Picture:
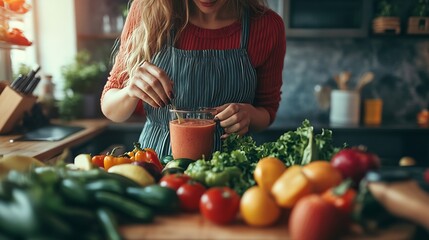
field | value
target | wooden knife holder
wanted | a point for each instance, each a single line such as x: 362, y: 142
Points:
x: 13, y: 105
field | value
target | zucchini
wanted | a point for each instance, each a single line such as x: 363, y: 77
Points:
x: 74, y: 191
x: 109, y: 223
x: 126, y: 206
x: 108, y: 185
x: 156, y: 196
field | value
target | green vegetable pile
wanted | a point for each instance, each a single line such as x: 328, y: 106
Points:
x: 234, y: 165
x: 53, y: 202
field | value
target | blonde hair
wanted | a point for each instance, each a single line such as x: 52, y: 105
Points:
x: 158, y: 17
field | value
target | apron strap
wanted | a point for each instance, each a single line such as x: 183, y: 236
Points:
x: 246, y: 29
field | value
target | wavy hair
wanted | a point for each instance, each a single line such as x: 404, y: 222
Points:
x: 158, y: 17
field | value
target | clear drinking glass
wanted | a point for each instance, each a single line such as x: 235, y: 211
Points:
x: 192, y: 133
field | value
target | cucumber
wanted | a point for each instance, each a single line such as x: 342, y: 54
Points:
x: 128, y: 207
x: 108, y: 185
x: 161, y: 198
x: 73, y: 190
x: 178, y: 165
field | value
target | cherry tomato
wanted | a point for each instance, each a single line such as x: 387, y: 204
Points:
x: 190, y: 194
x: 174, y: 181
x: 98, y: 160
x: 220, y: 205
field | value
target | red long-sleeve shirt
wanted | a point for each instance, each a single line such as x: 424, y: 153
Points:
x: 266, y: 50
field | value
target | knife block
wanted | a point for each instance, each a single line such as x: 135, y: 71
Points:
x: 13, y: 105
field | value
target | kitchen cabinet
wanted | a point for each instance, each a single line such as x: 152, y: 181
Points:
x: 330, y: 18
x: 98, y: 26
x: 336, y: 18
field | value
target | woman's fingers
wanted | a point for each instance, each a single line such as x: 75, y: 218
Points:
x: 234, y: 118
x: 152, y: 85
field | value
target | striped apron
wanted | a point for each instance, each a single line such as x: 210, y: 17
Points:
x: 202, y: 78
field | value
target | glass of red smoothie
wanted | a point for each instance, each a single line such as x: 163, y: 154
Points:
x: 192, y: 133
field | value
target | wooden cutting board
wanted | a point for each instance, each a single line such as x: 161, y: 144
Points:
x: 194, y: 226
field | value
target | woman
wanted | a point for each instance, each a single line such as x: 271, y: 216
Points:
x: 225, y: 54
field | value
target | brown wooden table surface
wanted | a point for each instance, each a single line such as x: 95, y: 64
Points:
x: 45, y: 150
x: 194, y: 226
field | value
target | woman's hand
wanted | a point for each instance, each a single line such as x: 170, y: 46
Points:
x: 151, y: 84
x: 234, y: 118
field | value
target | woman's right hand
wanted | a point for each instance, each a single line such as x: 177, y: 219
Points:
x: 151, y: 84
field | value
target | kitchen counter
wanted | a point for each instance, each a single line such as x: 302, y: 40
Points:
x: 194, y: 226
x: 45, y: 150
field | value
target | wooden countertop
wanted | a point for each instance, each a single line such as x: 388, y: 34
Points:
x: 45, y: 150
x: 194, y: 226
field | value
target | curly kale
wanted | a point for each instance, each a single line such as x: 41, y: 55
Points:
x: 234, y: 165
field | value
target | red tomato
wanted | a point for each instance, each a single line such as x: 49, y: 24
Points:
x: 316, y: 219
x: 174, y: 181
x: 190, y: 194
x: 98, y: 160
x: 1, y: 3
x: 220, y: 205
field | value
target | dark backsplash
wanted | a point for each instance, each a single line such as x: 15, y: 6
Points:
x: 400, y: 65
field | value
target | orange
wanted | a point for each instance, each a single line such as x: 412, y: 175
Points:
x: 322, y: 175
x: 258, y: 208
x: 267, y: 171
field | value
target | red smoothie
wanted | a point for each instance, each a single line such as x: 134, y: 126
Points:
x: 192, y: 138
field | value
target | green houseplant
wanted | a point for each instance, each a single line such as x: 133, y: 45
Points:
x: 418, y: 22
x: 387, y: 19
x: 83, y: 79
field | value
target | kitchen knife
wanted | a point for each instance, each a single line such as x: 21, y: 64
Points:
x: 17, y: 81
x: 26, y: 82
x: 32, y: 85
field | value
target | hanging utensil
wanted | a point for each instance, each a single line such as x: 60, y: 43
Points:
x: 343, y: 79
x: 364, y: 80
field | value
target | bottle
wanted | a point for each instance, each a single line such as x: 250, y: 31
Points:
x: 46, y: 98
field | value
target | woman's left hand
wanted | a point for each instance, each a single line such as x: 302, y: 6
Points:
x: 234, y: 118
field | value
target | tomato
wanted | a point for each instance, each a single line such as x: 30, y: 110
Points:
x: 267, y: 171
x: 98, y: 160
x: 1, y: 3
x: 314, y: 218
x: 220, y: 205
x: 174, y: 181
x: 190, y: 194
x: 258, y: 208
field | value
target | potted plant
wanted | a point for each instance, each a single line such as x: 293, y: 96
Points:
x: 418, y: 22
x: 83, y: 80
x: 387, y: 20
